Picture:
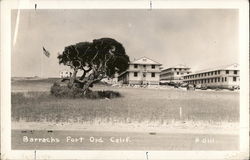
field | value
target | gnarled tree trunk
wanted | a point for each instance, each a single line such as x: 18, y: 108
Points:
x: 72, y: 79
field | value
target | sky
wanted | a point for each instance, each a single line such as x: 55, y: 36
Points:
x: 198, y: 38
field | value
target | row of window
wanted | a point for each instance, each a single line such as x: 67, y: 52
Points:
x: 178, y: 73
x: 143, y: 74
x: 212, y: 80
x: 180, y: 69
x: 167, y: 74
x: 172, y: 73
x: 207, y: 74
x: 144, y: 66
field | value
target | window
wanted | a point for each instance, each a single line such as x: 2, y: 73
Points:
x: 211, y: 80
x: 218, y: 72
x: 215, y: 80
x: 215, y: 72
x: 144, y: 66
x: 234, y: 79
x: 208, y: 81
x: 135, y: 74
x: 208, y: 73
x: 135, y: 65
x: 152, y: 74
x: 222, y: 79
x: 144, y: 75
x: 235, y: 72
x: 218, y: 79
x: 153, y: 66
x: 212, y: 73
x: 225, y: 79
x: 227, y: 71
x: 177, y: 73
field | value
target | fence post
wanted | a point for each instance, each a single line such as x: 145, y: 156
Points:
x: 180, y: 113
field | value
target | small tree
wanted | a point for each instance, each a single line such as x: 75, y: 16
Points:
x: 99, y: 59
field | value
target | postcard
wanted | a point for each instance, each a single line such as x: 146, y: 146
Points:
x: 124, y: 80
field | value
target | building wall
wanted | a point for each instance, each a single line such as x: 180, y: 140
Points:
x: 174, y: 74
x: 65, y: 74
x: 124, y: 78
x: 148, y: 79
x: 141, y: 67
x: 133, y: 78
x: 219, y: 78
x: 141, y: 70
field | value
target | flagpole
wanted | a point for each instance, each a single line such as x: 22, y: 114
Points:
x: 41, y: 65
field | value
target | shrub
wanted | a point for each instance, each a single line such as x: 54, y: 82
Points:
x: 64, y: 91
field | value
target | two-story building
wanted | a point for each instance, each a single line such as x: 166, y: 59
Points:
x: 220, y: 77
x: 175, y: 73
x: 141, y: 71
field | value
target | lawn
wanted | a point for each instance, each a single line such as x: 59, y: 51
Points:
x: 135, y: 105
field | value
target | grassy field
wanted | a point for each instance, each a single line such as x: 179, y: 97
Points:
x: 136, y: 105
x: 36, y: 85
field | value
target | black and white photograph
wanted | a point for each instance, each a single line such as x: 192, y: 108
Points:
x: 127, y: 79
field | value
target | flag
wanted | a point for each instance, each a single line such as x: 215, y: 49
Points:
x: 46, y: 52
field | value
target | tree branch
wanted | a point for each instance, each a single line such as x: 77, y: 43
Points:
x: 85, y: 72
x: 94, y: 56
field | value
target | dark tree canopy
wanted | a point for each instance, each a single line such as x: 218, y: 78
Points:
x: 98, y: 59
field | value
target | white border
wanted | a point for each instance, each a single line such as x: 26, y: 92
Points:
x: 7, y: 5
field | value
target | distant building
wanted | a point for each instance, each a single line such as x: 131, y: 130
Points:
x: 65, y: 74
x: 111, y: 80
x: 175, y: 73
x: 221, y: 77
x: 141, y: 71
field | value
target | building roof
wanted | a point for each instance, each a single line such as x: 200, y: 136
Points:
x: 144, y: 60
x: 234, y: 66
x: 177, y: 66
x: 180, y: 66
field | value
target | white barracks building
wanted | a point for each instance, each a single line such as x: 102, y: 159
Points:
x: 141, y: 71
x: 175, y: 73
x: 221, y: 77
